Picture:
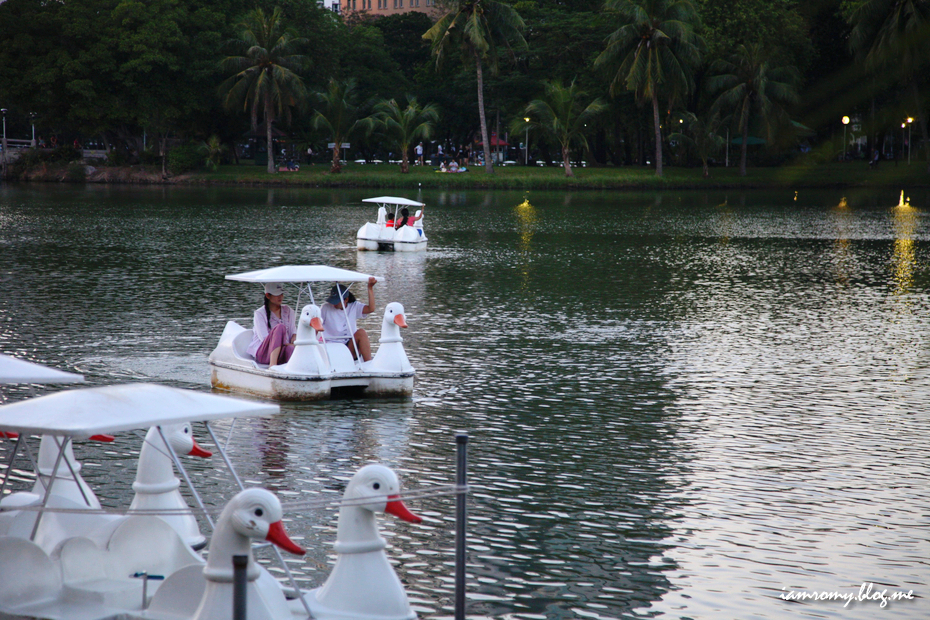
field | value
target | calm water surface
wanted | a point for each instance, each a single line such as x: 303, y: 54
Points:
x: 681, y: 405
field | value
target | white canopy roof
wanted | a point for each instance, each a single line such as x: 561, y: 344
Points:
x: 391, y: 200
x: 115, y: 408
x: 14, y: 370
x: 302, y: 273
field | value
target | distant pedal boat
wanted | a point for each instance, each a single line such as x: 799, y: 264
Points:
x: 381, y: 236
x: 316, y: 367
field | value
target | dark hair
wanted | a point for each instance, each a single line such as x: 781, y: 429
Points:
x: 405, y: 214
x: 267, y: 313
x: 390, y: 216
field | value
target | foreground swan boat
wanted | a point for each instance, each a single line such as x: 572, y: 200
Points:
x: 61, y: 559
x: 316, y: 367
x: 381, y: 236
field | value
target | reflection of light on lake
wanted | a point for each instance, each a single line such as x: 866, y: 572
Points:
x: 904, y: 258
x: 843, y: 258
x: 526, y: 220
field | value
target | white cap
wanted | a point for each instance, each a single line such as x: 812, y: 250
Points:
x: 274, y: 288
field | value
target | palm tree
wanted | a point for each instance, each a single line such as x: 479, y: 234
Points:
x: 701, y: 135
x: 891, y: 36
x: 264, y: 75
x: 478, y: 30
x: 404, y: 126
x: 656, y: 48
x: 339, y: 116
x: 747, y: 84
x: 562, y: 115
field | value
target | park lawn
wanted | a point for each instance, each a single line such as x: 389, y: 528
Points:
x: 836, y: 174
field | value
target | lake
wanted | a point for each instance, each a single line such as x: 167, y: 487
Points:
x: 680, y: 404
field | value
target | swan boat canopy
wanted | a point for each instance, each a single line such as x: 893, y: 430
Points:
x: 316, y: 367
x: 61, y: 555
x: 384, y: 235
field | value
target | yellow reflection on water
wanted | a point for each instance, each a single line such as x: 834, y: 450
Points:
x: 904, y: 259
x: 843, y: 259
x: 526, y: 223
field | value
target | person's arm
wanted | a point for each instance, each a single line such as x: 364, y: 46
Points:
x: 260, y: 324
x: 371, y: 296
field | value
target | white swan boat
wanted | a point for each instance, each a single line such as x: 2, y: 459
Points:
x: 316, y: 367
x: 383, y: 236
x: 68, y: 559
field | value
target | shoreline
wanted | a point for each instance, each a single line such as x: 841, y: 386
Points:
x: 837, y: 175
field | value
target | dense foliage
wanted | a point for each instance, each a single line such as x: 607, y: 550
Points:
x: 135, y: 76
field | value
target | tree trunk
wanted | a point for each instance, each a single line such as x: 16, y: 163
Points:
x: 566, y: 161
x: 488, y: 166
x: 404, y: 162
x: 706, y: 168
x: 655, y: 118
x: 270, y: 146
x: 336, y: 167
x: 744, y: 147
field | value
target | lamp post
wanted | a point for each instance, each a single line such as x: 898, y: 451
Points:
x: 903, y: 125
x: 3, y: 145
x: 32, y: 119
x: 845, y: 122
x: 526, y: 150
x: 909, y: 121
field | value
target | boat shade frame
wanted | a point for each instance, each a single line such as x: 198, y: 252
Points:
x: 82, y: 413
x: 14, y: 370
x: 393, y: 200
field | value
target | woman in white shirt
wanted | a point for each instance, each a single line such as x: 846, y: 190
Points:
x: 274, y: 328
x: 339, y: 314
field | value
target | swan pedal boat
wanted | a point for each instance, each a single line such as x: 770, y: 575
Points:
x: 380, y: 236
x: 316, y: 367
x: 61, y: 556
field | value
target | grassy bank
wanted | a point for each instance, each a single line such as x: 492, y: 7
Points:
x: 850, y: 174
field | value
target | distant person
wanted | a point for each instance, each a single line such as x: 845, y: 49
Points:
x: 390, y: 220
x: 419, y: 152
x: 274, y: 328
x: 339, y: 314
x: 310, y: 155
x: 873, y: 163
x: 406, y: 219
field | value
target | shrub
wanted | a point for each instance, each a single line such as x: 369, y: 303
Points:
x: 185, y: 158
x: 76, y: 173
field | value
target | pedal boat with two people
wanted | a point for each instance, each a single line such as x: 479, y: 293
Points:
x: 388, y: 234
x: 316, y: 367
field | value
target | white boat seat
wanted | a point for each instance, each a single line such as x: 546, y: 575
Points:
x: 89, y: 576
x: 241, y: 342
x: 180, y: 595
x: 36, y: 578
x: 340, y: 358
x: 109, y: 576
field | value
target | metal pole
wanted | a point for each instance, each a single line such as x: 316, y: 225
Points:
x: 4, y: 143
x: 240, y: 562
x: 909, y: 142
x: 183, y: 472
x: 461, y: 465
x: 727, y: 163
x: 844, y: 142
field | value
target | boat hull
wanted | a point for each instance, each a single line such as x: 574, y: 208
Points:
x: 293, y: 387
x: 374, y: 237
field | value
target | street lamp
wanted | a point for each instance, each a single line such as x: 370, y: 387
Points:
x: 909, y: 121
x: 903, y: 125
x: 526, y: 150
x: 3, y: 145
x: 845, y: 122
x: 32, y: 119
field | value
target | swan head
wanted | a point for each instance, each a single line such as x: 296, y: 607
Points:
x: 256, y: 514
x: 181, y: 438
x: 377, y: 489
x: 394, y: 315
x: 310, y: 317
